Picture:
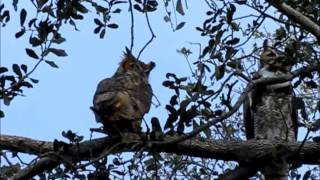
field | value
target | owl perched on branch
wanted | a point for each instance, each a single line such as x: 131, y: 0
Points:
x: 269, y: 111
x: 121, y: 101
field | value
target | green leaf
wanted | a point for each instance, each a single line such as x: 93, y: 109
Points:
x: 113, y: 26
x: 6, y: 16
x: 31, y: 22
x: 230, y: 11
x: 311, y: 84
x: 241, y: 2
x: 35, y: 41
x: 233, y: 41
x: 26, y: 84
x: 15, y: 4
x: 103, y: 32
x: 23, y: 15
x: 3, y: 69
x: 230, y: 52
x: 81, y: 8
x: 24, y: 68
x: 219, y: 71
x: 306, y: 175
x: 97, y: 29
x: 166, y: 18
x: 20, y: 33
x: 31, y: 53
x: 34, y: 80
x: 41, y: 3
x: 234, y: 26
x: 137, y: 7
x: 16, y: 69
x: 58, y: 52
x: 116, y: 162
x: 179, y: 8
x: 180, y: 25
x: 52, y: 64
x: 316, y: 139
x: 168, y: 83
x: 6, y: 100
x: 71, y: 22
x: 205, y: 51
x: 315, y: 125
x: 59, y: 40
x: 118, y: 10
x: 1, y: 114
x: 120, y: 173
x: 117, y: 2
x: 280, y: 33
x: 98, y: 22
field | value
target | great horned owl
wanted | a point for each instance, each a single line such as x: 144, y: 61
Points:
x: 121, y: 101
x: 269, y: 111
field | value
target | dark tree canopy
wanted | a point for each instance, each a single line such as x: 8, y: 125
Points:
x: 202, y: 136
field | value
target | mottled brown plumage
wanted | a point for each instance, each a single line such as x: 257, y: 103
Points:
x: 269, y: 111
x: 121, y: 101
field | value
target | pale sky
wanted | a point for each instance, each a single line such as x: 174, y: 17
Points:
x: 61, y: 99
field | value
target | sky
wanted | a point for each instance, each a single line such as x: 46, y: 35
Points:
x: 61, y: 99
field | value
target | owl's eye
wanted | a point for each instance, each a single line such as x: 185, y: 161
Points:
x: 132, y: 65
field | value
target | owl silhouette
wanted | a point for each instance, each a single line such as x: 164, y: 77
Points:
x: 121, y: 101
x: 269, y: 110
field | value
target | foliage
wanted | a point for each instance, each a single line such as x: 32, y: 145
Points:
x: 223, y: 68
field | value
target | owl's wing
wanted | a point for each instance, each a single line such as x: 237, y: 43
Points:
x: 103, y: 99
x: 248, y: 115
x: 125, y: 95
x: 294, y: 114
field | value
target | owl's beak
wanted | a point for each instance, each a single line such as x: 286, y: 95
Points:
x: 151, y: 65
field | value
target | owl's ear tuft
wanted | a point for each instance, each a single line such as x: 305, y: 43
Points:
x: 266, y: 44
x: 127, y: 51
x: 128, y: 54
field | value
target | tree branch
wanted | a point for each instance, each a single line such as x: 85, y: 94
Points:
x: 240, y: 151
x: 297, y: 17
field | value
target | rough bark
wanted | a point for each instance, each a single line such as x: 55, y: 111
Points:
x: 240, y: 151
x: 297, y: 17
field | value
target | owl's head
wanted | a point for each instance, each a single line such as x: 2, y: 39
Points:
x: 130, y: 63
x: 271, y: 57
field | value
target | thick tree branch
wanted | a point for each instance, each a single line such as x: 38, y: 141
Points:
x: 240, y: 151
x: 45, y: 163
x: 297, y: 17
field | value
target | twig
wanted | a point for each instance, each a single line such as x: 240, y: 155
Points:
x: 174, y: 12
x: 156, y: 105
x: 152, y: 35
x: 105, y: 152
x: 132, y: 25
x: 4, y: 155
